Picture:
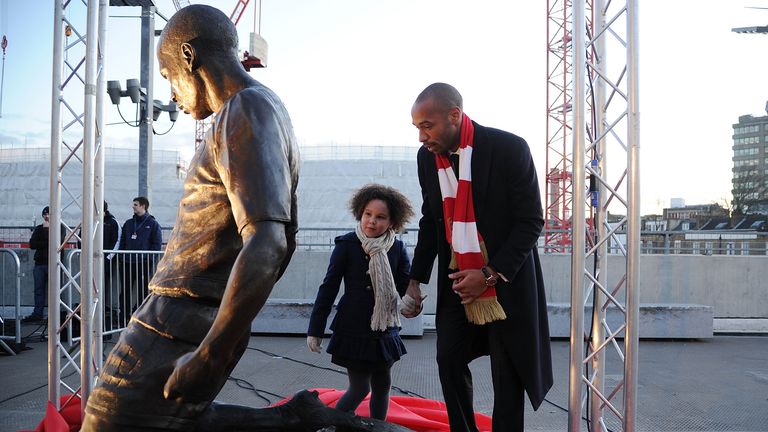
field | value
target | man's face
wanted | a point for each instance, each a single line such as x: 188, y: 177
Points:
x: 438, y: 128
x: 138, y: 209
x: 188, y: 89
x: 46, y: 217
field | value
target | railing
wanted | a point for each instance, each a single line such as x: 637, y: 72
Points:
x: 122, y: 269
x: 16, y: 337
x: 710, y: 242
x: 134, y: 269
x: 322, y: 238
x: 358, y: 152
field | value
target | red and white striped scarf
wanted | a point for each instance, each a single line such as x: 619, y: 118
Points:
x: 467, y: 245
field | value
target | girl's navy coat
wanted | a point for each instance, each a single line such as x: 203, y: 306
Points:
x: 352, y: 337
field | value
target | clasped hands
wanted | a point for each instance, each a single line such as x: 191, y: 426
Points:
x: 468, y: 284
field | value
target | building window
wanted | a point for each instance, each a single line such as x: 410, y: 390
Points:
x: 708, y: 248
x: 742, y: 163
x: 678, y: 246
x: 746, y: 152
x: 745, y: 248
x: 695, y: 248
x: 729, y: 249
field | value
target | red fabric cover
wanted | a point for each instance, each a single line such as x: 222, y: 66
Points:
x: 421, y: 415
x: 68, y: 420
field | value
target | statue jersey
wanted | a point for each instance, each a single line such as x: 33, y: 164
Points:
x: 245, y: 172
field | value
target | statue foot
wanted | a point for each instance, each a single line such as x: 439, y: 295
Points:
x: 311, y: 414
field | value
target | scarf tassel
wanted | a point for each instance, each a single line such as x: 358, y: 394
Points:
x: 484, y: 310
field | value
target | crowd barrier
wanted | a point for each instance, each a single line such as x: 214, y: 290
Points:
x: 10, y: 263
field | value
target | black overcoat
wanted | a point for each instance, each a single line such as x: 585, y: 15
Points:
x: 508, y: 212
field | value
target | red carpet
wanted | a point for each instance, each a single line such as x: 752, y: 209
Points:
x: 421, y: 415
x: 68, y: 420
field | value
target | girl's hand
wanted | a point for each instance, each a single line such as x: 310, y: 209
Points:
x: 314, y: 343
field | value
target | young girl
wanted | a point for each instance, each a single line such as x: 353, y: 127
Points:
x: 375, y: 268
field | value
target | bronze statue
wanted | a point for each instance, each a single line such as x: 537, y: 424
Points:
x: 233, y: 238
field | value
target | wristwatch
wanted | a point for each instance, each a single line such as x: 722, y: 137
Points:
x: 490, y: 278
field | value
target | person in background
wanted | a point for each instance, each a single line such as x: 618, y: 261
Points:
x: 482, y: 218
x: 39, y: 243
x: 111, y: 241
x: 375, y: 268
x: 140, y: 233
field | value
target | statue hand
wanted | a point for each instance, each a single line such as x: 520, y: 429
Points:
x: 193, y: 380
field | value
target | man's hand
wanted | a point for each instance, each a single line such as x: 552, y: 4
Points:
x: 468, y: 284
x: 193, y: 380
x: 414, y: 292
x: 314, y: 343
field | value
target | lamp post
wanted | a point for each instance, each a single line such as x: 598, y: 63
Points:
x: 144, y: 122
x: 147, y: 79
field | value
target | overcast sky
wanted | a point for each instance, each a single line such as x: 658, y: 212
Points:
x: 349, y: 70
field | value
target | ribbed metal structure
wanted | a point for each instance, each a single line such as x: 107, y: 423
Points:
x: 606, y: 398
x: 76, y: 104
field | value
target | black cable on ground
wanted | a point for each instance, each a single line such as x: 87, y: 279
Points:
x: 242, y: 383
x: 394, y: 387
x: 26, y: 392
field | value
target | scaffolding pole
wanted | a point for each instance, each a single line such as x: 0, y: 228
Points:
x: 612, y: 129
x: 78, y: 86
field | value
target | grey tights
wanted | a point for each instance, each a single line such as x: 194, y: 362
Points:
x: 360, y: 383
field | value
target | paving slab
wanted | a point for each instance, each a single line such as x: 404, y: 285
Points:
x: 717, y: 384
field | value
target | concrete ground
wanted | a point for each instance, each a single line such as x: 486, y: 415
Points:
x: 718, y: 384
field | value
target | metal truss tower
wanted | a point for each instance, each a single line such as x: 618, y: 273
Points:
x: 559, y: 160
x: 78, y: 86
x: 603, y: 377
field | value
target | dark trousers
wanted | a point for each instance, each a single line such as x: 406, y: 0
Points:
x: 40, y: 274
x: 458, y: 343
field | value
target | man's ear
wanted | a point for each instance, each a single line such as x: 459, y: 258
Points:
x: 455, y: 115
x: 188, y: 56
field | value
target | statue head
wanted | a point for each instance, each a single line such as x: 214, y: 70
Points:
x: 197, y: 44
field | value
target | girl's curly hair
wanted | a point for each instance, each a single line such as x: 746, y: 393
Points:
x: 400, y: 210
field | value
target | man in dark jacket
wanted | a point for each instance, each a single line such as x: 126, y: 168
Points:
x: 140, y: 233
x: 494, y: 303
x: 111, y: 241
x: 39, y: 243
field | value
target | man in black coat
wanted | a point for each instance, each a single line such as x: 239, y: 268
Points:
x: 39, y: 243
x: 111, y: 241
x: 508, y: 216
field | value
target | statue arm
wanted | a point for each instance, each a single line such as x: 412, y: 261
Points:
x: 199, y: 375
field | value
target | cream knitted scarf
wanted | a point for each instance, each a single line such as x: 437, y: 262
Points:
x: 384, y: 291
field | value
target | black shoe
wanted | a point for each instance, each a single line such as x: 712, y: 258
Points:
x: 33, y: 318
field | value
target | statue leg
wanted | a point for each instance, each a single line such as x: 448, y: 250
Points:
x: 304, y: 412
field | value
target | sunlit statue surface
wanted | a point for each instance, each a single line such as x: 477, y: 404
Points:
x: 233, y: 238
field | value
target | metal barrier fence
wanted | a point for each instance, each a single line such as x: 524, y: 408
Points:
x: 126, y: 279
x: 15, y: 267
x: 323, y: 238
x: 134, y: 269
x: 725, y: 242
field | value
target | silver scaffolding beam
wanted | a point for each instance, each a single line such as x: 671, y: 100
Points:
x: 613, y: 130
x: 78, y: 87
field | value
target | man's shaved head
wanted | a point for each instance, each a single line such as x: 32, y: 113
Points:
x: 444, y: 96
x: 206, y: 28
